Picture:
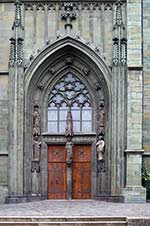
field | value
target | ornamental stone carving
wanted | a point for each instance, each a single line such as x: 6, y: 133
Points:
x: 68, y: 14
x: 69, y: 60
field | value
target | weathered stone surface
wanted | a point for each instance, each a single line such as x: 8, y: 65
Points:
x: 146, y: 74
x: 3, y: 137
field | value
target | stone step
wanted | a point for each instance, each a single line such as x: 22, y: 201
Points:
x: 96, y: 223
x: 63, y: 221
x: 59, y: 219
x: 65, y: 224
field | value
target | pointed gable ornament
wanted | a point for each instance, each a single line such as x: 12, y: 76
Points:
x: 16, y: 42
x: 119, y: 39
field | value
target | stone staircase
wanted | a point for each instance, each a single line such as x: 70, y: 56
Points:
x: 63, y: 221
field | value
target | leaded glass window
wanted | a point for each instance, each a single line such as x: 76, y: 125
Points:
x: 69, y: 92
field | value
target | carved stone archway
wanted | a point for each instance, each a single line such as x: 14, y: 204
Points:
x: 66, y: 55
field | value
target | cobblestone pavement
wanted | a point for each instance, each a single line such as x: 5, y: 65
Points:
x: 75, y: 208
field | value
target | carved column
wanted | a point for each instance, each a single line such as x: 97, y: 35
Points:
x: 16, y: 103
x: 100, y: 147
x: 35, y: 165
x: 119, y: 63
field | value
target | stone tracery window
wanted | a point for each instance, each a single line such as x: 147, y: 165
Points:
x: 69, y: 92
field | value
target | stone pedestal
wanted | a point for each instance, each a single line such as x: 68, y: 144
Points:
x: 134, y: 192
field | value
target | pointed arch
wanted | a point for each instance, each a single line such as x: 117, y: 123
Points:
x: 66, y: 55
x: 63, y: 43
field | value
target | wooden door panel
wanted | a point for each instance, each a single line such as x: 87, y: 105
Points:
x: 81, y: 181
x: 57, y: 178
x: 82, y: 153
x: 56, y: 153
x: 81, y: 172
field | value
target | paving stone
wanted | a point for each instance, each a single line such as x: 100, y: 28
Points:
x: 74, y: 208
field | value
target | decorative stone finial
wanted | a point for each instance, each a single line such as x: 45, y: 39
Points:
x: 68, y: 15
x: 119, y: 13
x: 119, y: 40
x: 16, y: 42
x: 18, y: 18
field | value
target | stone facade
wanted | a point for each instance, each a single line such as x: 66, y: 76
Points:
x: 101, y: 41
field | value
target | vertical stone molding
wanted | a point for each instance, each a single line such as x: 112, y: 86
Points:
x: 16, y: 107
x: 119, y: 65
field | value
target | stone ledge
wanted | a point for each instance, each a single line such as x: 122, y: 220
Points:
x: 135, y: 68
x: 115, y: 199
x: 23, y: 1
x: 146, y: 153
x: 134, y: 151
x: 23, y: 199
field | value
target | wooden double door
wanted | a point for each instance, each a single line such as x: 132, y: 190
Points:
x: 80, y: 176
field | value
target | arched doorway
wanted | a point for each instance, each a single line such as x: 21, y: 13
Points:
x: 67, y: 79
x: 70, y: 111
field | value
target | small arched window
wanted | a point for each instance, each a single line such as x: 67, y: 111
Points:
x: 69, y: 92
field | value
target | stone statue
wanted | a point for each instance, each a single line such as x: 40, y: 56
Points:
x: 69, y: 135
x: 101, y: 126
x: 36, y: 139
x: 101, y: 115
x: 36, y: 120
x: 69, y: 125
x: 100, y: 149
x: 69, y: 153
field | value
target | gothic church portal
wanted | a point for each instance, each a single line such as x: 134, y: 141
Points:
x: 72, y: 101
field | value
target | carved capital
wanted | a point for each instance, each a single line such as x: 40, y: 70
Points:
x: 35, y: 166
x: 101, y: 166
